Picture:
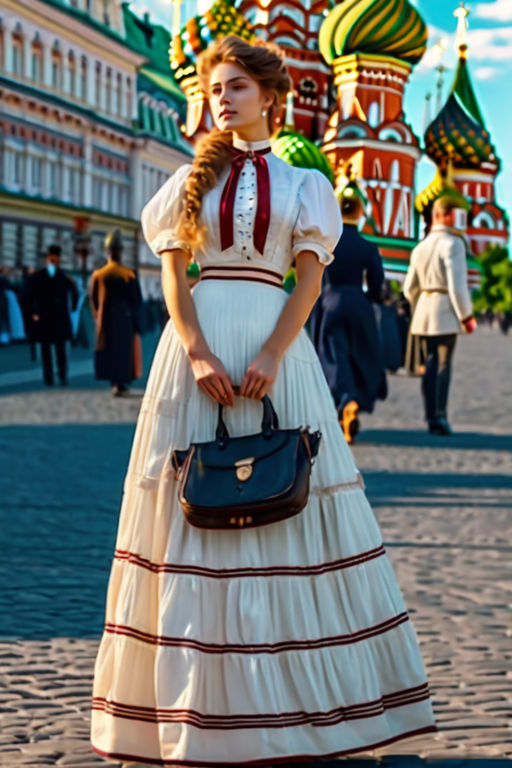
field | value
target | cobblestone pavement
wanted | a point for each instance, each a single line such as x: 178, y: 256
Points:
x: 444, y: 505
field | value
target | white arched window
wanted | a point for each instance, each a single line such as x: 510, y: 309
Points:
x: 394, y: 171
x: 374, y: 114
x: 352, y: 132
x: 484, y: 220
x: 108, y: 90
x: 391, y: 134
x: 83, y: 78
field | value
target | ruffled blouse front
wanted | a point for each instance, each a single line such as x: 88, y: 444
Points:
x: 304, y: 216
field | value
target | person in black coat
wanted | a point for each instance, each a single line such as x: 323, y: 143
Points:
x: 51, y: 296
x: 116, y: 302
x: 343, y: 325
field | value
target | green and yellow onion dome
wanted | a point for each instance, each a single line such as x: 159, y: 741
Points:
x: 300, y: 152
x: 199, y: 31
x: 440, y: 186
x: 384, y: 27
x: 455, y: 133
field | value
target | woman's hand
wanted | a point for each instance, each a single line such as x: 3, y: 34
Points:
x: 260, y: 375
x: 211, y: 376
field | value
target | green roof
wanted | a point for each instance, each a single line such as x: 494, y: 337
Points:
x: 154, y: 122
x: 152, y: 41
x: 159, y: 84
x: 297, y: 150
x: 463, y: 91
x: 458, y: 132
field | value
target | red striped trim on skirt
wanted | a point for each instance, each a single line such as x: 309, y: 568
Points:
x: 253, y: 274
x: 334, y: 716
x: 267, y: 760
x: 285, y: 645
x: 230, y: 573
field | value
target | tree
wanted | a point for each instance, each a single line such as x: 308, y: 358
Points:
x: 495, y: 292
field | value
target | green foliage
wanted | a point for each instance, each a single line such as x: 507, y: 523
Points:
x: 495, y: 292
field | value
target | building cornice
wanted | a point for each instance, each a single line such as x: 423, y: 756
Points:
x: 35, y: 203
x: 365, y: 143
x: 89, y: 32
x: 18, y: 88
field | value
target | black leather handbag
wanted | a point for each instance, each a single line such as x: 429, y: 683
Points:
x: 244, y: 482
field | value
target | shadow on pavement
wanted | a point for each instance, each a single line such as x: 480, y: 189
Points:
x: 427, y: 489
x: 422, y: 439
x: 61, y: 489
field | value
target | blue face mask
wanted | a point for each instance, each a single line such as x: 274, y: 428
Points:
x: 51, y: 269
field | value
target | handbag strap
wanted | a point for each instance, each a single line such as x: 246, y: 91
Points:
x: 268, y: 423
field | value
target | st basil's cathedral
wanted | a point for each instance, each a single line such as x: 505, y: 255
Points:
x: 350, y: 64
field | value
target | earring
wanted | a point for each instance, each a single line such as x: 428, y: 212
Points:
x: 264, y: 113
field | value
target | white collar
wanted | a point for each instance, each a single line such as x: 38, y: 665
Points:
x: 247, y: 146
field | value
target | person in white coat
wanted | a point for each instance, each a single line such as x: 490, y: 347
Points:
x: 437, y: 286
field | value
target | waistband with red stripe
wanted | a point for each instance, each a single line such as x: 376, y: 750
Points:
x: 252, y: 274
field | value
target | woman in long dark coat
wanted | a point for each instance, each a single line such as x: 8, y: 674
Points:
x: 116, y: 303
x: 343, y: 325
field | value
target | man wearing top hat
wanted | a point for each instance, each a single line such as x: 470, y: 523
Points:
x: 50, y: 297
x: 437, y: 285
x: 116, y: 302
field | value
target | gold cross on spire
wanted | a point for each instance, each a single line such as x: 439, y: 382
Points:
x: 461, y: 14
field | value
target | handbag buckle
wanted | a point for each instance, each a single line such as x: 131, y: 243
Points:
x: 241, y: 521
x: 244, y: 468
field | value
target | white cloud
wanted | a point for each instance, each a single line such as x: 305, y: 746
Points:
x: 490, y: 44
x: 499, y: 10
x: 486, y: 73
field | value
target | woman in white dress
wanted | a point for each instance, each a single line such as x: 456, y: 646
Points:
x: 279, y: 643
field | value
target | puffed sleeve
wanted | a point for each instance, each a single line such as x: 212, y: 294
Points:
x: 160, y: 215
x: 319, y: 226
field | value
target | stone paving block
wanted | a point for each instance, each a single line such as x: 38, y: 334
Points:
x: 444, y: 506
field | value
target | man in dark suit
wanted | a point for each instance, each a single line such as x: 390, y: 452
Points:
x: 343, y: 325
x: 52, y: 295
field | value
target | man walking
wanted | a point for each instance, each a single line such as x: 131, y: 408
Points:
x: 51, y: 296
x: 436, y: 284
x: 116, y: 302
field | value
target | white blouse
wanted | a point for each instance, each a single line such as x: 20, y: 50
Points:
x: 304, y: 216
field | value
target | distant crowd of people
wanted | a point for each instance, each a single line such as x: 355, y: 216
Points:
x: 359, y: 329
x: 46, y: 307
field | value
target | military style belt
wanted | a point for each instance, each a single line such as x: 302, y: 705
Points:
x: 429, y: 291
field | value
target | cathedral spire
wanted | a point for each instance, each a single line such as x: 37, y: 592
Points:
x: 461, y: 14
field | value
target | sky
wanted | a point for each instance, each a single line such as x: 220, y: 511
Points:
x: 490, y: 65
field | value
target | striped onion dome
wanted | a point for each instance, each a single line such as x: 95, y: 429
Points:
x: 199, y: 31
x: 385, y: 27
x: 300, y: 152
x: 441, y: 185
x: 458, y: 132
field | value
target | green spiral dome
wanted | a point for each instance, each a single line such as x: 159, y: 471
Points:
x: 300, y: 152
x: 385, y: 27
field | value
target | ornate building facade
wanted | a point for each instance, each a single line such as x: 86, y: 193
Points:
x: 350, y: 63
x: 458, y: 142
x: 88, y: 129
x: 372, y: 49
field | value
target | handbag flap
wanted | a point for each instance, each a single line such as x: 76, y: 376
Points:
x: 214, y: 477
x: 256, y: 446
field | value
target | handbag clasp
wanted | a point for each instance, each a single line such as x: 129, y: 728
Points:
x: 244, y: 468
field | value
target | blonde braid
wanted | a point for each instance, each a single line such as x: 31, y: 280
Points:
x: 213, y: 153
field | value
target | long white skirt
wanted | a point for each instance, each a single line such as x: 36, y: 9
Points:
x: 245, y: 647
